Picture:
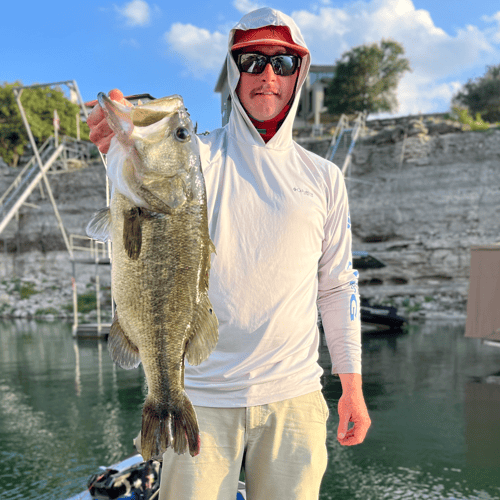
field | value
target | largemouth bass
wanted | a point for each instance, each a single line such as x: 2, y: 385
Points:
x: 161, y: 248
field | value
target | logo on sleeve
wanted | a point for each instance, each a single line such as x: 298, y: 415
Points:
x: 353, y: 307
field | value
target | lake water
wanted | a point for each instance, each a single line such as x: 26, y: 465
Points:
x: 65, y: 409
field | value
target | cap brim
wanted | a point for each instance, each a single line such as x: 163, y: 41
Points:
x: 301, y: 51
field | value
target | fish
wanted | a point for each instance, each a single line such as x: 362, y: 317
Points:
x: 160, y: 263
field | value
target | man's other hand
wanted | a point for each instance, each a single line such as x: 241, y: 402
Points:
x: 352, y: 408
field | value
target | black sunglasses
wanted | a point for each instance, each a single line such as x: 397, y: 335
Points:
x: 255, y: 62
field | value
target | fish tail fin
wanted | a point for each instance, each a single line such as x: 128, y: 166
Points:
x: 155, y: 432
x: 185, y: 428
x: 164, y: 426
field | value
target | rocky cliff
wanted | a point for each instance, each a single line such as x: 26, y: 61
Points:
x: 420, y: 197
x: 419, y: 203
x: 35, y: 268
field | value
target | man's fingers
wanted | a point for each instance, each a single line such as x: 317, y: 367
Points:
x: 101, y: 135
x: 99, y: 131
x: 95, y: 116
x: 355, y: 435
x: 105, y: 143
x: 351, y: 440
x: 343, y: 426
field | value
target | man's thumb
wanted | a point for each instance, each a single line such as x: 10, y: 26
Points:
x: 343, y: 425
x: 117, y: 95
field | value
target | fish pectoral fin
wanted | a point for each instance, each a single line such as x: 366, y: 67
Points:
x: 205, y: 335
x: 132, y: 232
x: 123, y: 352
x: 211, y: 247
x: 99, y: 227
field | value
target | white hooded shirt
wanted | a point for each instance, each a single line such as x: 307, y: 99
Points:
x: 279, y: 218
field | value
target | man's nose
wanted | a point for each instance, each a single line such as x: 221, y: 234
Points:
x: 268, y: 72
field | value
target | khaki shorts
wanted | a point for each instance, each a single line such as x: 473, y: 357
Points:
x: 284, y: 444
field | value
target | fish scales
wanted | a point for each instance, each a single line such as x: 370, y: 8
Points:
x: 160, y: 266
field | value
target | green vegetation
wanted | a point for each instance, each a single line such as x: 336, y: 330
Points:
x: 409, y: 307
x: 39, y: 104
x: 27, y: 289
x: 477, y: 124
x: 86, y: 302
x: 366, y: 79
x: 45, y: 311
x: 482, y: 95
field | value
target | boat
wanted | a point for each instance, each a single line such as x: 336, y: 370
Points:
x: 120, y: 481
x: 375, y: 317
x: 381, y: 315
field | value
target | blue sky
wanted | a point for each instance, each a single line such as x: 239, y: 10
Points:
x: 165, y: 48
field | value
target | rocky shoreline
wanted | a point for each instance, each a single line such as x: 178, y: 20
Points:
x: 44, y: 289
x: 421, y: 194
x: 45, y: 292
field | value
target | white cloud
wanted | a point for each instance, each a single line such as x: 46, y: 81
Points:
x: 416, y: 96
x: 136, y: 12
x: 201, y: 50
x: 492, y: 19
x: 435, y: 56
x: 438, y: 59
x: 246, y: 6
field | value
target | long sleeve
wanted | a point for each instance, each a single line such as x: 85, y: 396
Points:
x: 338, y: 296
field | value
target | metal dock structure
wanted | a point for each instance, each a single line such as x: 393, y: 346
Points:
x: 343, y: 141
x: 53, y: 156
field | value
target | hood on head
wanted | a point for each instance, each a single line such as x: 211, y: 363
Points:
x: 284, y: 29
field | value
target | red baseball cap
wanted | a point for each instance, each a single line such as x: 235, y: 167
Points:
x: 267, y: 35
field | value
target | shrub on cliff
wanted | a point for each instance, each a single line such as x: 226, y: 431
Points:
x: 468, y: 122
x: 366, y: 79
x: 39, y: 104
x: 482, y: 95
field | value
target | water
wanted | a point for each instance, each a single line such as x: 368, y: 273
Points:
x: 65, y: 409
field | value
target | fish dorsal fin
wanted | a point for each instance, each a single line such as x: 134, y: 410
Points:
x: 123, y: 352
x: 205, y: 334
x: 132, y: 232
x: 99, y: 226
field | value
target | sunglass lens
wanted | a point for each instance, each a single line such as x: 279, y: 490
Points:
x: 252, y: 63
x: 284, y: 65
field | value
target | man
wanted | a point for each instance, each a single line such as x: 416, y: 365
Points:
x: 278, y: 216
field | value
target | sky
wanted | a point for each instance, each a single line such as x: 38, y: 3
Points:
x: 164, y: 48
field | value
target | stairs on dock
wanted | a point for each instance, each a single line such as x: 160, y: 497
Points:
x: 53, y: 157
x: 343, y: 141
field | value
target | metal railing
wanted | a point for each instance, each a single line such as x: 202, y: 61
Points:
x: 97, y: 253
x: 23, y: 186
x: 347, y: 135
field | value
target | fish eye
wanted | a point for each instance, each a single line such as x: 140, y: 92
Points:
x: 182, y: 134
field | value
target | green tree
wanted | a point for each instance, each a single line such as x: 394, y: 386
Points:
x: 482, y: 95
x: 366, y: 79
x: 39, y: 104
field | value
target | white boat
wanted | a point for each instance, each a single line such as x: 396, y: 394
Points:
x: 134, y: 463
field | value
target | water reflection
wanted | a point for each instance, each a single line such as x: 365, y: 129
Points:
x: 65, y: 409
x: 424, y: 418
